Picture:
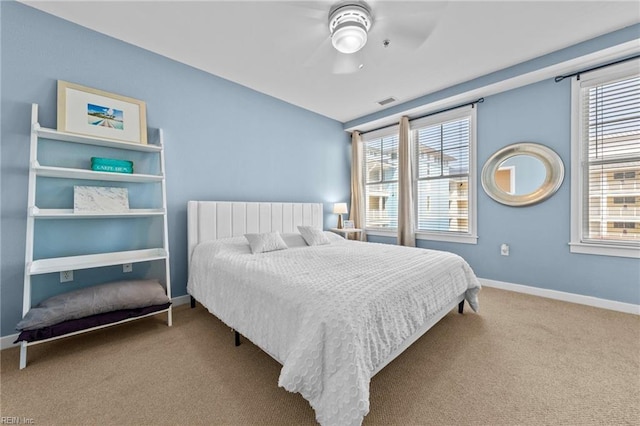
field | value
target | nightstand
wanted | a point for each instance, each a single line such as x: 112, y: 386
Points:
x: 345, y: 232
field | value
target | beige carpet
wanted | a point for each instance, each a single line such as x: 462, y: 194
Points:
x: 522, y: 360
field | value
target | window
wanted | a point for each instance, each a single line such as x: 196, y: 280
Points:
x: 606, y: 162
x: 444, y: 176
x: 381, y: 179
x: 625, y: 225
x: 624, y: 200
x: 624, y: 175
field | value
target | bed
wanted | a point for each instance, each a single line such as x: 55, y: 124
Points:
x: 333, y: 314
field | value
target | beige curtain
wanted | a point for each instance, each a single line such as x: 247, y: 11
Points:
x: 357, y: 187
x: 406, y: 236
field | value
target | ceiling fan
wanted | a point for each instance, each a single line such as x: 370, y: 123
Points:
x: 364, y: 33
x: 349, y: 25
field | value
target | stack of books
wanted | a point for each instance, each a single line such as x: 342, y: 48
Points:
x: 111, y: 165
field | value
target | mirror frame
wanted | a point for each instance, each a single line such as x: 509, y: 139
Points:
x: 550, y: 159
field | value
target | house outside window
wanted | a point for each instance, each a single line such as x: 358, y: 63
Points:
x: 381, y: 179
x: 606, y: 162
x: 444, y: 176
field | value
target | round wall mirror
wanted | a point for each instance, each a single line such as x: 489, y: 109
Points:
x: 522, y: 174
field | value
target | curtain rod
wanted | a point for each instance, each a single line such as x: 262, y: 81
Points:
x: 479, y: 101
x: 559, y: 78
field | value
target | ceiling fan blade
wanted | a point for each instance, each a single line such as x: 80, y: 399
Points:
x: 406, y: 37
x: 347, y: 64
x: 320, y: 54
x: 406, y: 24
x: 310, y: 9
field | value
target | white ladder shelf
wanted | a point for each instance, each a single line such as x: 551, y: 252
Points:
x: 88, y: 261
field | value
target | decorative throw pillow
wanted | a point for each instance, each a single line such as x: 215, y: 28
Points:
x: 313, y: 236
x: 267, y: 241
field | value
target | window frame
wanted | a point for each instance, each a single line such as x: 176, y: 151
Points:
x: 377, y: 134
x: 576, y: 244
x: 471, y: 236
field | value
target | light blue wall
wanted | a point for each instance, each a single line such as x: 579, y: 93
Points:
x: 538, y: 235
x: 223, y: 141
x: 590, y: 46
x: 227, y: 142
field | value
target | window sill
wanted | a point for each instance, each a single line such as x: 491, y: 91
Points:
x: 605, y: 250
x: 393, y: 233
x: 463, y: 239
x: 390, y: 233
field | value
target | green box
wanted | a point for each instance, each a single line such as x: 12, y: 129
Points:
x: 111, y: 165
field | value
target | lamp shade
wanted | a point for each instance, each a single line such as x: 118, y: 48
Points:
x: 340, y: 208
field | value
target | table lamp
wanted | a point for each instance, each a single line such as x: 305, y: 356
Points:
x: 340, y: 209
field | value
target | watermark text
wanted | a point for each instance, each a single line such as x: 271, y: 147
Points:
x: 16, y: 420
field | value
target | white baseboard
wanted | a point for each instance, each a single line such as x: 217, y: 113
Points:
x: 7, y: 341
x: 611, y: 305
x: 181, y: 300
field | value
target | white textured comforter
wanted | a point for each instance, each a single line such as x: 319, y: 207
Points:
x: 329, y: 314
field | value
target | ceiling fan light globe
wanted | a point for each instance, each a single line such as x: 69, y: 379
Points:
x: 349, y: 38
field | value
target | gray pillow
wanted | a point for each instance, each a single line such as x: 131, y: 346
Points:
x: 94, y: 300
x: 267, y: 241
x: 313, y: 236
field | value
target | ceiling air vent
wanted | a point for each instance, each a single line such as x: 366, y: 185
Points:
x: 387, y: 101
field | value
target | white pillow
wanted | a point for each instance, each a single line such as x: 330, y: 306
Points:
x: 267, y: 241
x: 313, y: 236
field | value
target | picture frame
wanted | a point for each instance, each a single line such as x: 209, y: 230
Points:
x: 93, y: 112
x: 348, y: 224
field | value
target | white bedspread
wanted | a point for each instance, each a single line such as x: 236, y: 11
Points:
x: 329, y: 314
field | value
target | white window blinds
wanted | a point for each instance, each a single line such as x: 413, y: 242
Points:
x: 381, y: 180
x: 610, y: 158
x: 442, y: 148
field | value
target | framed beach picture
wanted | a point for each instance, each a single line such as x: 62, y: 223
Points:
x: 100, y: 114
x: 348, y: 224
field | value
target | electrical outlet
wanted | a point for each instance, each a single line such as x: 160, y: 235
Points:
x: 66, y: 276
x: 127, y: 267
x: 504, y: 249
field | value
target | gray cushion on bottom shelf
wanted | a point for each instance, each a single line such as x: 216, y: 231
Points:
x: 94, y: 300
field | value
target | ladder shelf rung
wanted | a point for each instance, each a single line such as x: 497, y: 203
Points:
x: 86, y: 261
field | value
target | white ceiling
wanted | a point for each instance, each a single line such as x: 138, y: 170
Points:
x: 282, y: 48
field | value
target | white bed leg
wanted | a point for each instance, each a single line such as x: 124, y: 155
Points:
x: 23, y: 354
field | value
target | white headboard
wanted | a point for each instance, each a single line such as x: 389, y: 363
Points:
x: 212, y: 220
